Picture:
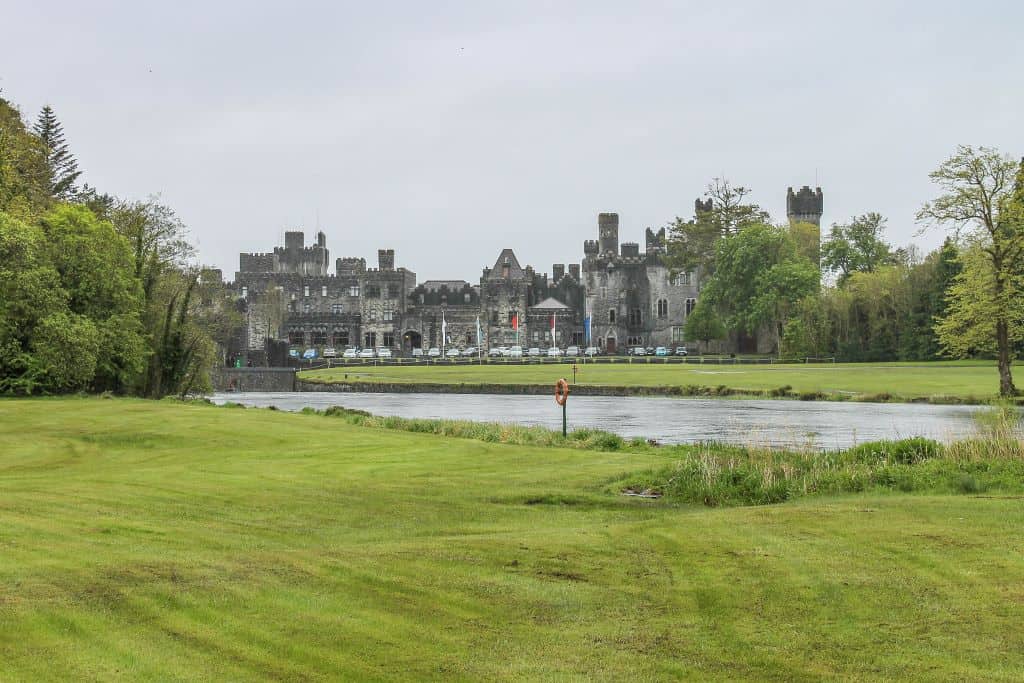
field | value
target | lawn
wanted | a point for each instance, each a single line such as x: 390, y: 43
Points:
x: 967, y: 380
x: 154, y: 540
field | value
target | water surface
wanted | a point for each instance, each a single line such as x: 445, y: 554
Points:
x: 804, y: 424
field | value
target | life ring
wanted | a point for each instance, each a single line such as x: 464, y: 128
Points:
x: 561, y: 392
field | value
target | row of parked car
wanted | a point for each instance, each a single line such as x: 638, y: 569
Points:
x: 494, y: 352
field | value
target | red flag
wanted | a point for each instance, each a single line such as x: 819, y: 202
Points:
x: 515, y: 321
x: 552, y: 322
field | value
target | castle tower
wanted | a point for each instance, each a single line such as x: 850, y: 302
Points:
x: 386, y: 259
x: 608, y: 232
x: 804, y: 206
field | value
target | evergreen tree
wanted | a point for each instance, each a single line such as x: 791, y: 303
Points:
x: 62, y: 168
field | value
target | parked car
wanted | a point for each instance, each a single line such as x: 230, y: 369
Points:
x: 534, y: 351
x: 572, y: 351
x: 515, y: 352
x: 554, y: 352
x: 452, y: 353
x: 329, y: 352
x: 434, y: 352
x: 637, y: 351
x: 681, y: 351
x: 661, y: 351
x: 350, y: 352
x: 494, y: 352
x: 293, y: 353
x: 383, y: 352
x: 417, y: 353
x: 309, y: 354
x: 591, y: 351
x: 650, y: 350
x: 469, y: 351
x: 366, y: 353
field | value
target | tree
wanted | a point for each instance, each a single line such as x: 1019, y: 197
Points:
x: 724, y: 212
x: 856, y: 247
x: 759, y: 278
x: 983, y: 201
x: 703, y: 325
x: 23, y: 190
x: 61, y: 166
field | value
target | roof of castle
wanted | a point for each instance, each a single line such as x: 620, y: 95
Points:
x: 515, y: 271
x: 551, y: 304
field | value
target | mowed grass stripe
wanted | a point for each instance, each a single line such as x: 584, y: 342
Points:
x: 297, y: 546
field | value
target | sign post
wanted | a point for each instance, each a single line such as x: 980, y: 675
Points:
x: 561, y: 398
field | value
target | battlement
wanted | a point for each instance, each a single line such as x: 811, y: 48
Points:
x: 630, y: 249
x: 386, y: 259
x: 257, y: 263
x: 703, y: 206
x: 590, y: 247
x: 608, y: 232
x: 574, y: 271
x: 655, y: 241
x: 557, y: 271
x: 805, y: 206
x: 350, y: 265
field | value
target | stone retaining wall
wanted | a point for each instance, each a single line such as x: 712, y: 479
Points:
x: 253, y: 379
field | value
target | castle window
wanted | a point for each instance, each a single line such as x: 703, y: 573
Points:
x: 662, y: 308
x: 466, y: 297
x: 372, y: 292
x: 369, y: 340
x: 389, y: 339
x: 388, y: 317
x: 392, y: 292
x: 341, y: 337
x: 690, y: 304
x: 422, y: 298
x: 353, y: 290
x: 635, y: 317
x: 611, y: 315
x: 245, y: 292
x: 293, y: 296
x: 336, y: 308
x: 470, y: 337
x: 305, y: 291
x: 305, y: 308
x: 678, y: 335
x: 296, y: 337
x: 318, y: 338
x: 323, y: 291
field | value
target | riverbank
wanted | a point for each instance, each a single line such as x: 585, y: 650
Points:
x: 160, y: 540
x: 938, y: 383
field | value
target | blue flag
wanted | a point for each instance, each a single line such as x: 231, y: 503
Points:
x: 586, y: 330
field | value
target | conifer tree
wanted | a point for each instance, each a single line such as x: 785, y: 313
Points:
x: 61, y: 164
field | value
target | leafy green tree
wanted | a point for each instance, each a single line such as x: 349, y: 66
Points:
x: 724, y: 212
x: 808, y: 331
x: 983, y: 201
x: 61, y: 166
x: 23, y: 188
x: 759, y: 278
x: 856, y: 247
x: 703, y: 324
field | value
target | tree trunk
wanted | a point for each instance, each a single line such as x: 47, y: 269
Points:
x: 1006, y: 388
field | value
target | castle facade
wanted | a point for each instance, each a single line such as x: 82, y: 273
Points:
x: 631, y: 297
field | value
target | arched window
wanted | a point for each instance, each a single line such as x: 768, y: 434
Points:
x: 690, y: 304
x: 662, y: 308
x: 611, y: 315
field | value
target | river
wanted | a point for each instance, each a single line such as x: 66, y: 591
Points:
x: 777, y: 423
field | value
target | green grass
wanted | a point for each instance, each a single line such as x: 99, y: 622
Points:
x: 969, y: 381
x: 154, y: 540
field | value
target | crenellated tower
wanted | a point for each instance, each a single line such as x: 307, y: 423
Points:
x: 804, y: 206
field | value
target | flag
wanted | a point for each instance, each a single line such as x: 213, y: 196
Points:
x: 586, y: 329
x: 515, y: 321
x: 444, y: 329
x: 479, y: 333
x: 553, y: 330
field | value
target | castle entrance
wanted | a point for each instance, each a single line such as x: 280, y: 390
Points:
x: 609, y: 345
x: 412, y: 340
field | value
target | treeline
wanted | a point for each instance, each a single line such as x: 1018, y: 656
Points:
x: 97, y: 293
x: 857, y: 297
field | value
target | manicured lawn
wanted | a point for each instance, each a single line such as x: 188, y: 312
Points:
x: 909, y: 380
x: 144, y: 540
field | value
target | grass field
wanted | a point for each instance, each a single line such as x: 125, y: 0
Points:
x: 965, y: 380
x: 161, y: 541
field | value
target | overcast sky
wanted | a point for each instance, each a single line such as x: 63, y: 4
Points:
x: 448, y: 131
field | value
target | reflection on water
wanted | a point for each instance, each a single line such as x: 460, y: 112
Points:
x: 821, y: 424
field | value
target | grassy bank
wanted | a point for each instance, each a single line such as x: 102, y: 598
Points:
x: 970, y: 382
x: 144, y: 540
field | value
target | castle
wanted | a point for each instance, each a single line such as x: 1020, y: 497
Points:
x: 631, y: 297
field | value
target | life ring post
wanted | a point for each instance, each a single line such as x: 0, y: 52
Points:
x: 561, y: 398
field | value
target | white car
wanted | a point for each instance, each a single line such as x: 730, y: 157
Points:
x: 383, y: 352
x: 417, y: 353
x: 452, y: 353
x: 572, y: 351
x: 554, y: 352
x: 534, y: 351
x: 515, y: 352
x: 329, y: 352
x: 350, y: 352
x: 591, y: 351
x: 366, y: 353
x: 434, y: 352
x: 495, y: 352
x: 469, y: 351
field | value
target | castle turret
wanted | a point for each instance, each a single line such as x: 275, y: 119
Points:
x: 804, y: 206
x: 704, y: 206
x: 574, y: 271
x: 557, y: 271
x: 655, y: 241
x: 386, y: 259
x: 608, y: 232
x: 293, y: 240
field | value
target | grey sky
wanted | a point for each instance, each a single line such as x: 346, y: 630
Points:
x: 450, y: 130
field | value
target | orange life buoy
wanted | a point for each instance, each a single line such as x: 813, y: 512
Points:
x: 561, y: 392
